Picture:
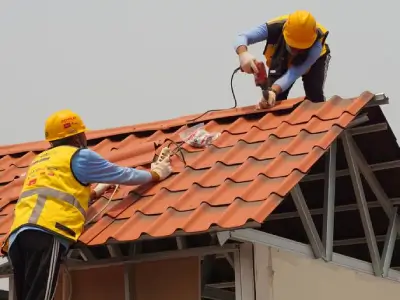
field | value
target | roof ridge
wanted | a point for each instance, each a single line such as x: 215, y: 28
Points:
x: 156, y: 125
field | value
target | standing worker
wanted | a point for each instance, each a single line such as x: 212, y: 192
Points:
x: 51, y: 210
x: 295, y: 46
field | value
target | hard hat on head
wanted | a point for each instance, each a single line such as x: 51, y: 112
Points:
x: 62, y: 124
x: 300, y: 30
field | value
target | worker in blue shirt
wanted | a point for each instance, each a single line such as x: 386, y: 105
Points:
x: 295, y: 47
x: 51, y: 211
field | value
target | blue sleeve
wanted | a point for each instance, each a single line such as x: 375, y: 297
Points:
x: 295, y: 72
x: 90, y: 167
x: 252, y: 36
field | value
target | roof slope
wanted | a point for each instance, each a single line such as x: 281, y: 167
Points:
x: 242, y: 177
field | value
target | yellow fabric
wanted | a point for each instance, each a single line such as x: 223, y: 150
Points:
x: 62, y: 124
x: 51, y: 197
x: 270, y: 49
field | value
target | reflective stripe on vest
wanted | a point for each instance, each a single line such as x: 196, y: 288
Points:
x: 51, y: 197
x: 43, y: 193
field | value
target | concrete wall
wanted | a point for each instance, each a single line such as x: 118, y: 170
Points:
x: 298, y: 277
x: 167, y: 280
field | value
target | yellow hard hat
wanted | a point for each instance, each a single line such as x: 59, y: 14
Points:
x: 300, y: 30
x: 62, y: 124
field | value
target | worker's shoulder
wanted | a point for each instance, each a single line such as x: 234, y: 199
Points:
x: 86, y: 154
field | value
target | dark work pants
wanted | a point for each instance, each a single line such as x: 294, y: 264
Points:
x: 313, y: 81
x: 35, y: 257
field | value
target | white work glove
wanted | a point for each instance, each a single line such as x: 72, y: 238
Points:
x: 164, y: 154
x: 101, y: 188
x: 248, y: 62
x: 268, y: 100
x: 163, y: 168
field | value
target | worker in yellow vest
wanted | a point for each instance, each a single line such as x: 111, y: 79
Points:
x: 51, y: 211
x: 295, y: 47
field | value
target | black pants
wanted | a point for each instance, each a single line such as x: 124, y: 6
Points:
x: 313, y: 81
x: 35, y: 257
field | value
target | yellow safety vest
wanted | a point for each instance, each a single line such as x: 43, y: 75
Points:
x: 275, y: 36
x: 51, y: 197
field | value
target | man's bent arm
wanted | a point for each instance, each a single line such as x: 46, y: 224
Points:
x: 252, y: 36
x: 90, y: 167
x: 295, y: 72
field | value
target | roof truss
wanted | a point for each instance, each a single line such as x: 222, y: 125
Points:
x: 322, y: 246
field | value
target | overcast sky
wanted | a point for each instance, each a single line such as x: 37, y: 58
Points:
x: 125, y: 62
x: 121, y: 62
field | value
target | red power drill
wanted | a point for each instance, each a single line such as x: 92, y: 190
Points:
x: 261, y: 78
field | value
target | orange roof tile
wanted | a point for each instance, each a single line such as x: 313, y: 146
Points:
x: 242, y: 177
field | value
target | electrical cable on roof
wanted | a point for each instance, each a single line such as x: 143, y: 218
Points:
x: 105, y: 206
x: 174, y: 152
x: 177, y: 149
x: 233, y: 95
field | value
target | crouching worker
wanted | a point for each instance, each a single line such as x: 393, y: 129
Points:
x: 51, y: 210
x: 295, y: 47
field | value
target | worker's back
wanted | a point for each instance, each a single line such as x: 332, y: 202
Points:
x: 51, y: 196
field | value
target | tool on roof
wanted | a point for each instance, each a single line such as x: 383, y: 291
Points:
x: 261, y: 78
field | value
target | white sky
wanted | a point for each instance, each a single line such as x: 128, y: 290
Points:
x: 126, y: 62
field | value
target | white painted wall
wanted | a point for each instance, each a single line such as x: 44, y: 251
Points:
x: 4, y: 284
x: 296, y: 276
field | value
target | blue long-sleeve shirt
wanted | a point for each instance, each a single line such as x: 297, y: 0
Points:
x: 260, y: 33
x: 90, y: 167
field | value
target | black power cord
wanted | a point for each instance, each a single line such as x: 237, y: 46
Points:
x: 178, y: 148
x: 178, y: 145
x: 233, y: 95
